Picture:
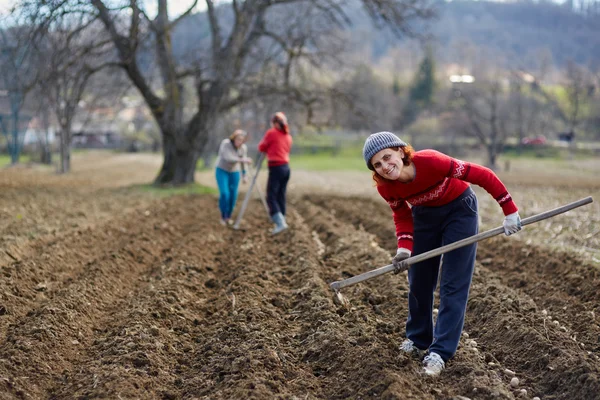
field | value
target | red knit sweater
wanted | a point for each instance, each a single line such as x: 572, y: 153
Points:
x: 439, y: 179
x: 277, y: 145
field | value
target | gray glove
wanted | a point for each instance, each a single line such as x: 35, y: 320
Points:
x: 398, y: 260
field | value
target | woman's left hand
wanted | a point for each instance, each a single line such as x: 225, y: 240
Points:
x: 512, y: 223
x: 244, y: 179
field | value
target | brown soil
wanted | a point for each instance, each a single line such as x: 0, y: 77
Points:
x: 111, y: 293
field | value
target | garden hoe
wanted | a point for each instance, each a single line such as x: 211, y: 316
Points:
x: 238, y: 220
x: 337, y: 285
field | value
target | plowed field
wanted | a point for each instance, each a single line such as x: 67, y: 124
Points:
x: 109, y: 292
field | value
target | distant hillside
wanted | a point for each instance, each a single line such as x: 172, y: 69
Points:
x: 515, y: 32
x: 519, y: 30
x: 518, y: 33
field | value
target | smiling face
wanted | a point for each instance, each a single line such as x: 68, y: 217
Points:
x: 388, y: 163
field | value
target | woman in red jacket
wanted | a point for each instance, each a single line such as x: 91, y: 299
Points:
x: 277, y: 144
x: 443, y: 210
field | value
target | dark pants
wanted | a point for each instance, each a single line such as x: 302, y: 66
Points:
x: 435, y: 227
x: 276, y: 188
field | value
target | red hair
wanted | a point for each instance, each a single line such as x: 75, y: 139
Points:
x: 280, y: 120
x: 406, y: 160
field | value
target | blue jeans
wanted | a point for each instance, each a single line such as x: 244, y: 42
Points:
x: 276, y: 188
x: 435, y: 227
x: 228, y: 183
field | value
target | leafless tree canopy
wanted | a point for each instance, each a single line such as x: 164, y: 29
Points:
x: 249, y: 49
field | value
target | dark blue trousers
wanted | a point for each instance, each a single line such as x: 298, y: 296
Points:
x: 435, y: 227
x: 276, y: 188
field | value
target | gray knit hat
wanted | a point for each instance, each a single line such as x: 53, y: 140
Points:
x: 377, y: 142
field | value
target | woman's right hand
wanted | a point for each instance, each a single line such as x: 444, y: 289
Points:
x: 246, y: 160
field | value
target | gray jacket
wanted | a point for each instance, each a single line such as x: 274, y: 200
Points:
x: 229, y: 156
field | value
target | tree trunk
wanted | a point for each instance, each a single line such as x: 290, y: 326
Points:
x: 65, y: 152
x: 492, y: 156
x: 572, y: 145
x: 13, y: 142
x: 45, y: 154
x: 520, y: 134
x: 179, y: 165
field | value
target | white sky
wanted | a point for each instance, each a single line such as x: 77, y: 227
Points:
x: 5, y: 5
x: 176, y: 7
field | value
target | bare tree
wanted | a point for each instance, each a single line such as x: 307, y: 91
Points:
x: 68, y: 56
x: 43, y: 126
x: 372, y: 105
x: 518, y: 97
x: 524, y: 109
x: 483, y: 106
x: 593, y: 120
x: 246, y: 57
x: 577, y: 87
x: 573, y: 109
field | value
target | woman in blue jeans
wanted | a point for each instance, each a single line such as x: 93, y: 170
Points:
x: 444, y: 210
x: 233, y: 155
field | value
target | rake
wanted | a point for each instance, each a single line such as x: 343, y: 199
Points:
x: 258, y: 164
x: 338, y: 285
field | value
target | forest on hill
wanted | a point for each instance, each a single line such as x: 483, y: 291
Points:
x: 517, y: 33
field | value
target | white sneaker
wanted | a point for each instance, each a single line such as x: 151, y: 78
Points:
x: 433, y: 364
x: 223, y: 222
x: 408, y: 346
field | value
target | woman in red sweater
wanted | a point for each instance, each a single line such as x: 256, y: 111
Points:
x: 277, y: 144
x: 443, y: 210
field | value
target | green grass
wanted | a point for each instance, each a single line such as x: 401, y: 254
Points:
x: 313, y: 140
x: 169, y: 190
x: 534, y: 152
x: 348, y: 159
x: 200, y: 167
x: 5, y: 159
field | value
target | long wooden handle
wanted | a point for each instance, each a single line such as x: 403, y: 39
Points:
x: 263, y: 199
x: 337, y: 285
x: 259, y: 162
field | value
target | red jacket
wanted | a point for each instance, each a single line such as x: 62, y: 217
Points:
x: 439, y: 179
x: 277, y: 144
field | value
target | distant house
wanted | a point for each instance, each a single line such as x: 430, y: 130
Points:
x: 37, y: 132
x: 108, y: 126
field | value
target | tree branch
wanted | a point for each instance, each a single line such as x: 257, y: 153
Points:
x: 124, y: 47
x: 182, y: 16
x: 215, y: 30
